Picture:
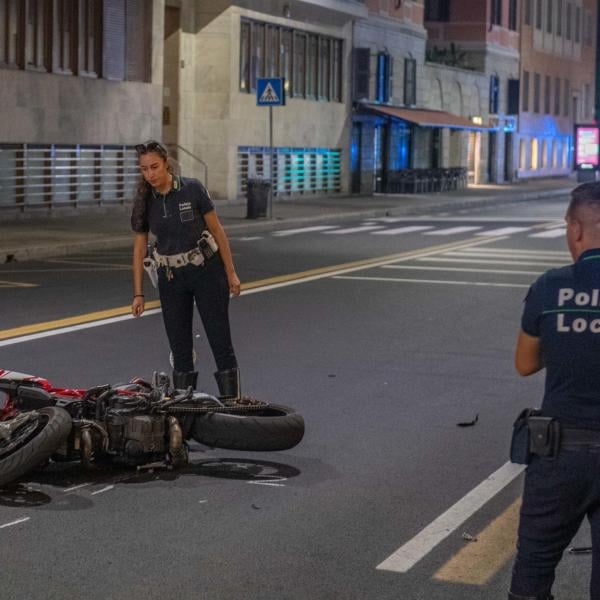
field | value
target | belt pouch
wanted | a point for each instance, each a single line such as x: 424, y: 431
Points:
x: 520, y: 452
x: 544, y: 436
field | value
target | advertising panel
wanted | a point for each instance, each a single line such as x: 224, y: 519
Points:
x: 587, y: 141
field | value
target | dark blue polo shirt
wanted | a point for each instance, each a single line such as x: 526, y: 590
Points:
x: 562, y: 308
x: 175, y: 219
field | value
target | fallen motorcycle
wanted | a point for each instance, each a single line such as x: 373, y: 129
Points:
x: 134, y: 423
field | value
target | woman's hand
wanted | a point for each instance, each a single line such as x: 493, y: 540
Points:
x: 234, y: 284
x: 137, y: 306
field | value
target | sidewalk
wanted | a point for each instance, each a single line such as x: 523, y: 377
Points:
x: 31, y: 236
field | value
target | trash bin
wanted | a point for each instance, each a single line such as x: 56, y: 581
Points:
x: 257, y: 195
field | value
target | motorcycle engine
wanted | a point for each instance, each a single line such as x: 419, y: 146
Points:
x: 132, y: 432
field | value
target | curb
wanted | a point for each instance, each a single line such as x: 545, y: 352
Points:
x: 65, y: 249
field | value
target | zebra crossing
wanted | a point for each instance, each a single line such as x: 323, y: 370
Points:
x: 480, y: 266
x: 397, y: 226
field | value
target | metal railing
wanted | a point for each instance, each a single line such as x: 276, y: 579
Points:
x: 60, y: 175
x: 188, y: 153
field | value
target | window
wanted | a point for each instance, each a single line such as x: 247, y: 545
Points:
x: 536, y: 92
x: 437, y: 10
x: 63, y: 40
x: 547, y: 94
x: 588, y: 27
x: 525, y: 101
x: 494, y: 94
x: 245, y: 57
x: 36, y: 31
x: 410, y: 81
x: 587, y: 100
x: 568, y: 23
x: 257, y: 53
x: 578, y: 25
x: 312, y: 70
x: 538, y: 14
x: 512, y: 15
x: 310, y: 64
x: 559, y: 16
x: 567, y: 97
x: 528, y: 11
x: 299, y: 64
x: 10, y: 19
x: 496, y: 12
x: 382, y: 92
x: 271, y: 51
x: 285, y: 57
x: 549, y: 23
x: 324, y: 67
x: 557, y: 95
x: 534, y: 154
x: 90, y: 36
x: 362, y: 73
x: 513, y: 97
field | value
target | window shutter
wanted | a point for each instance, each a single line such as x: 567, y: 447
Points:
x: 513, y: 97
x: 362, y: 72
x: 113, y: 38
x: 137, y: 49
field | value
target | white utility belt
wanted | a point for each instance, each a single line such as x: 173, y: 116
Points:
x: 193, y: 257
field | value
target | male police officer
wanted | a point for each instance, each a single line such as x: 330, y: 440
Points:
x: 560, y: 330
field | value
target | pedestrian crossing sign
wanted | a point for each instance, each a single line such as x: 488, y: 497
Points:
x: 270, y: 91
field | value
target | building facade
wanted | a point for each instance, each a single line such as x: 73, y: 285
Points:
x: 558, y: 75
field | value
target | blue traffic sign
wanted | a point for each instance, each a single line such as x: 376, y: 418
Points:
x: 270, y: 91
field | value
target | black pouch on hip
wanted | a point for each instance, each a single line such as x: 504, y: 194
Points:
x: 520, y: 445
x: 544, y: 436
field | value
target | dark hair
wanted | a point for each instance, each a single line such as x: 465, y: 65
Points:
x: 586, y: 194
x: 143, y: 187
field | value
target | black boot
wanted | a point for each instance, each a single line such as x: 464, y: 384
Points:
x: 229, y: 383
x: 183, y: 379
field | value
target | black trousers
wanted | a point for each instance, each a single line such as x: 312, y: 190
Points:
x: 207, y: 286
x: 558, y: 495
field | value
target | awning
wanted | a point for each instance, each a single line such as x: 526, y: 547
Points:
x: 426, y: 118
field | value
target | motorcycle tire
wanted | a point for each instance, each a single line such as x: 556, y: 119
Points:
x: 53, y: 427
x: 273, y: 428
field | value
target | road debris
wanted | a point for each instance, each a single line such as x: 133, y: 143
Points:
x: 468, y: 537
x: 468, y: 423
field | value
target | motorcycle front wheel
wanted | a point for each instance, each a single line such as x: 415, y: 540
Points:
x: 274, y: 427
x: 33, y: 443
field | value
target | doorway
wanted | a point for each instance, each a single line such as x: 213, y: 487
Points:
x: 492, y: 157
x: 380, y: 156
x: 508, y: 157
x: 356, y: 157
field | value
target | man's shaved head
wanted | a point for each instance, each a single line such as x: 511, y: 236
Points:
x: 585, y: 202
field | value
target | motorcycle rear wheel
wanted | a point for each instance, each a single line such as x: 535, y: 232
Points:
x: 273, y: 428
x: 36, y: 444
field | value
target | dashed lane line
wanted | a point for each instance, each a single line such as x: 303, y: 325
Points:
x: 26, y: 333
x: 15, y: 522
x: 104, y: 489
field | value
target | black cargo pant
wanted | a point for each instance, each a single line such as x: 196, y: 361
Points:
x: 207, y: 286
x: 558, y: 494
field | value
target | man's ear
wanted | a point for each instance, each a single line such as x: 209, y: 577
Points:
x: 577, y: 230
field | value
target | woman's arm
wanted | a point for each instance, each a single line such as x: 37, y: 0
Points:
x: 215, y: 227
x: 140, y: 243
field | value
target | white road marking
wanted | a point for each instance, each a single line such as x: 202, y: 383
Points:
x: 353, y: 230
x: 504, y: 231
x: 452, y: 230
x: 441, y: 281
x: 424, y: 542
x: 76, y: 487
x: 104, y: 489
x: 399, y: 230
x: 250, y: 238
x: 489, y: 261
x: 463, y: 269
x: 15, y: 522
x: 488, y: 250
x: 202, y: 501
x: 272, y: 484
x: 286, y: 232
x: 550, y: 233
x: 468, y: 219
x: 550, y: 259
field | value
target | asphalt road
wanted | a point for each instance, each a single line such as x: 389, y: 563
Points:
x: 383, y: 360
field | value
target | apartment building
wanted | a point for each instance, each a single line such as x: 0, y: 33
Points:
x: 558, y: 75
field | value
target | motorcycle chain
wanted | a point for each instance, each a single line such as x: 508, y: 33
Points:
x: 213, y: 409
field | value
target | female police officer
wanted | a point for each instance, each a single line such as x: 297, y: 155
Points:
x: 178, y: 211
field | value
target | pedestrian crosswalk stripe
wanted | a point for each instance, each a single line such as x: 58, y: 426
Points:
x: 286, y: 232
x: 504, y: 231
x: 437, y: 281
x: 408, y: 229
x: 451, y: 231
x: 488, y: 250
x: 354, y: 229
x: 550, y: 233
x: 551, y: 260
x: 16, y: 284
x: 488, y: 261
x: 463, y: 270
